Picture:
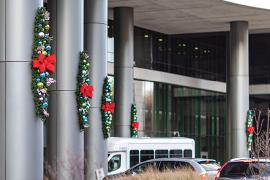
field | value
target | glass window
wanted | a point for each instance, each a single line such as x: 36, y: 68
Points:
x: 142, y: 167
x: 188, y: 153
x: 146, y: 155
x: 134, y: 157
x: 166, y: 165
x: 171, y: 165
x: 246, y: 169
x: 181, y: 165
x: 176, y: 153
x: 161, y: 154
x: 114, y: 163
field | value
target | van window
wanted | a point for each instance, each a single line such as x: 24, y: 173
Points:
x: 146, y: 155
x: 176, y: 153
x: 188, y: 153
x: 114, y: 163
x: 161, y: 154
x: 134, y: 157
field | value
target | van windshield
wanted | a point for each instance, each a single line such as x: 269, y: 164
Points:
x: 114, y: 163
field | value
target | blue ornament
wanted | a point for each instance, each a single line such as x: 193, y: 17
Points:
x: 42, y: 75
x: 45, y: 105
x: 40, y: 43
x: 46, y: 99
x: 46, y: 35
x: 85, y: 119
x: 40, y: 25
x: 38, y: 80
x: 48, y: 48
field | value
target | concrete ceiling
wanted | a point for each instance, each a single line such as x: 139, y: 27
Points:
x: 192, y: 16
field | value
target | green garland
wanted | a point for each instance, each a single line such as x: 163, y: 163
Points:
x: 134, y: 121
x: 84, y: 91
x: 43, y: 63
x: 107, y: 108
x: 250, y: 129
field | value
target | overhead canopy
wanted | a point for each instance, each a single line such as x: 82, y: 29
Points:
x: 192, y: 16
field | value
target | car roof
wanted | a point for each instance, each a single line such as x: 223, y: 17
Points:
x: 250, y: 160
x: 204, y: 160
x: 171, y: 159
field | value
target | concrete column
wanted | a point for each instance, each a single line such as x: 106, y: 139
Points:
x: 238, y: 88
x: 96, y: 16
x: 21, y: 132
x: 65, y: 141
x: 123, y: 68
x: 2, y: 92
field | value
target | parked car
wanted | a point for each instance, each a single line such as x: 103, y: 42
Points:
x: 245, y: 168
x: 210, y: 165
x: 164, y: 164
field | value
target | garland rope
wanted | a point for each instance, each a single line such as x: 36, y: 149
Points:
x: 134, y: 121
x: 84, y: 91
x: 43, y: 63
x: 107, y: 108
x: 250, y: 129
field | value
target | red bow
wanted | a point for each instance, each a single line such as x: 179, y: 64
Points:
x: 45, y: 63
x: 108, y: 107
x: 135, y: 125
x: 250, y: 130
x: 87, y: 90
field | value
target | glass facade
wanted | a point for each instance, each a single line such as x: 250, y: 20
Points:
x: 166, y: 110
x: 259, y: 56
x: 197, y: 55
x: 191, y: 113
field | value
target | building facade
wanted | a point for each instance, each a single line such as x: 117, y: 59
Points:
x: 192, y: 67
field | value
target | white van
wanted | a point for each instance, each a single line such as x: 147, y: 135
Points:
x: 124, y: 153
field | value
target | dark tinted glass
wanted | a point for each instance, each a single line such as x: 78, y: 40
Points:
x: 245, y: 169
x: 176, y: 153
x: 134, y: 157
x: 180, y: 165
x: 161, y: 154
x: 165, y: 165
x: 188, y: 153
x: 146, y: 155
x: 142, y: 167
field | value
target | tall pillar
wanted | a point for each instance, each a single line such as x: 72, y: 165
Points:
x: 123, y: 68
x: 2, y: 91
x: 238, y: 88
x: 21, y: 132
x: 65, y: 140
x: 96, y: 16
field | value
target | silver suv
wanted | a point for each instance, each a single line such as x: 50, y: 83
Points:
x: 164, y: 164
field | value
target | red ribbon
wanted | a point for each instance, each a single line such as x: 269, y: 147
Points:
x: 108, y: 107
x: 135, y: 125
x: 250, y: 130
x: 87, y: 91
x: 45, y: 63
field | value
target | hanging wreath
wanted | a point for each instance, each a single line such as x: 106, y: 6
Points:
x: 84, y: 90
x: 107, y: 108
x: 134, y: 121
x: 43, y: 63
x: 250, y: 129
